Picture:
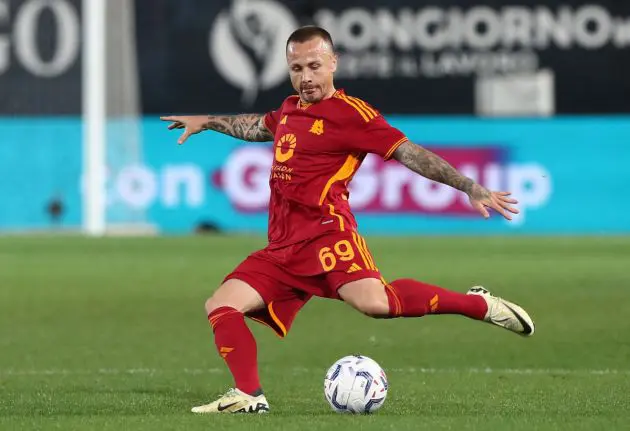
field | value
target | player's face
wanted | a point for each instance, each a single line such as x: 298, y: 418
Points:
x: 311, y: 68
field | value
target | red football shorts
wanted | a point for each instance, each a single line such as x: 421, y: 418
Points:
x: 287, y: 278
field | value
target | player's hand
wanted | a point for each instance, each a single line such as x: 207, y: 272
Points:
x: 191, y: 125
x: 482, y: 198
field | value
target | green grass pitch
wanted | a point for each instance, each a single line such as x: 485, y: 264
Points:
x: 111, y: 334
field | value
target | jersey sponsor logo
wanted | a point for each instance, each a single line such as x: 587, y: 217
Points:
x: 285, y: 147
x: 317, y: 128
x: 281, y: 172
x: 247, y: 45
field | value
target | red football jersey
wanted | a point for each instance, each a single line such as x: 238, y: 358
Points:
x: 317, y: 150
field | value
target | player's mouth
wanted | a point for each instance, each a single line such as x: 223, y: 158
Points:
x: 309, y: 90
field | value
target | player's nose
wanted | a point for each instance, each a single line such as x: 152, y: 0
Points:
x: 307, y: 77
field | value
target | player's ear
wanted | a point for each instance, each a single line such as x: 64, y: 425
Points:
x: 333, y: 64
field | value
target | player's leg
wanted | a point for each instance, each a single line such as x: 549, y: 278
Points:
x: 409, y: 298
x: 265, y: 293
x: 235, y: 343
x: 368, y: 292
x: 226, y: 310
x: 412, y: 298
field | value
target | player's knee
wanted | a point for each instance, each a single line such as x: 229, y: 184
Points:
x: 375, y: 307
x: 216, y: 301
x: 235, y: 294
x: 366, y: 296
x: 211, y: 305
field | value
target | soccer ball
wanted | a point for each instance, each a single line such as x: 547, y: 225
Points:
x: 355, y: 384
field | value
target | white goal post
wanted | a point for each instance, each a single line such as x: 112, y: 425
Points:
x: 111, y: 117
x: 94, y: 116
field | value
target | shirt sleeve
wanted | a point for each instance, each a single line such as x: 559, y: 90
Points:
x: 377, y: 136
x: 271, y: 120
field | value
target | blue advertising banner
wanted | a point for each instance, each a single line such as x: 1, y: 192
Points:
x: 569, y: 175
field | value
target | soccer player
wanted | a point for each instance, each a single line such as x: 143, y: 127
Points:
x: 321, y: 136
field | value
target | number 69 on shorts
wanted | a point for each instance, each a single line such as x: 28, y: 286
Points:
x: 342, y: 250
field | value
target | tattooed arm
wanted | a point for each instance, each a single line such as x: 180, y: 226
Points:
x: 248, y: 127
x: 433, y: 167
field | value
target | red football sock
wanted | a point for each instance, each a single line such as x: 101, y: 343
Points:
x: 411, y: 298
x: 237, y: 346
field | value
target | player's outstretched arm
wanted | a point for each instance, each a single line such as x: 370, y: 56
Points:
x: 248, y: 127
x: 433, y: 167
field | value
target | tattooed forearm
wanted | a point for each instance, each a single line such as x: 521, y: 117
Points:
x: 248, y: 127
x: 432, y: 166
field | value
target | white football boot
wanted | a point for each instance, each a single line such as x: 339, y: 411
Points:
x: 235, y: 401
x: 504, y: 313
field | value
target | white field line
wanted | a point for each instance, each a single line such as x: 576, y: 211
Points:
x: 301, y: 370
